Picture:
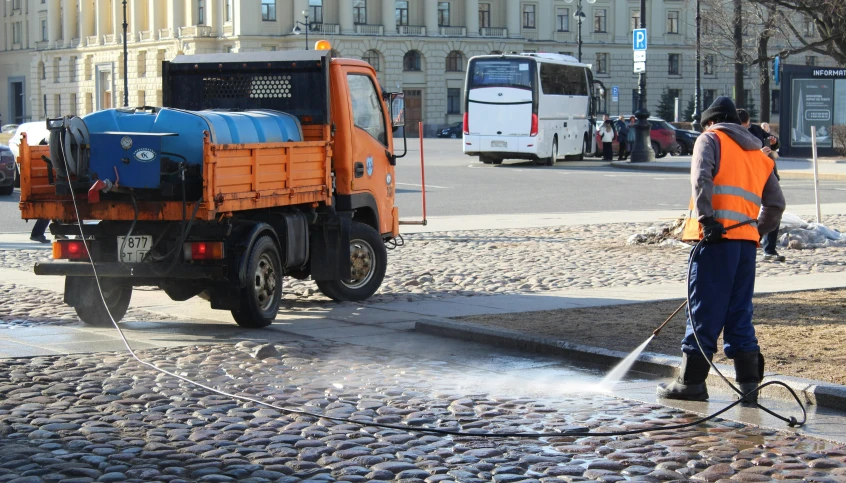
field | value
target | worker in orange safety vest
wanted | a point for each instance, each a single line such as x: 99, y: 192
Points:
x: 732, y: 182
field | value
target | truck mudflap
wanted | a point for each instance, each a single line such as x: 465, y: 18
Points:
x: 330, y: 248
x: 131, y: 271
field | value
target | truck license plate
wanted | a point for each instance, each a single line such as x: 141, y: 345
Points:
x: 499, y: 144
x: 135, y: 248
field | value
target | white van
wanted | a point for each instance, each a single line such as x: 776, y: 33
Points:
x: 528, y: 106
x: 36, y: 132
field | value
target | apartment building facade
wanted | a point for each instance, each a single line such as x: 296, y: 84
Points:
x: 66, y: 56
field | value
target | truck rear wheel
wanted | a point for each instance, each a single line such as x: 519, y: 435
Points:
x: 261, y: 297
x: 92, y: 312
x: 368, y: 262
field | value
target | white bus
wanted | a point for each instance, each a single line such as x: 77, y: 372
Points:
x: 528, y: 106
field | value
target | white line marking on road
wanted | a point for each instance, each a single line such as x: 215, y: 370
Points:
x: 420, y: 186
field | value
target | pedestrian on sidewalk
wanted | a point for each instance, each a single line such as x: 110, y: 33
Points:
x: 622, y: 136
x: 732, y: 181
x: 769, y: 144
x: 630, y: 138
x: 607, y: 136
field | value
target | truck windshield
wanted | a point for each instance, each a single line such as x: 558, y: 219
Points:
x: 517, y: 73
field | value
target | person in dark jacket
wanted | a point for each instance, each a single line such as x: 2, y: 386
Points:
x: 732, y: 182
x: 769, y: 144
x: 622, y: 136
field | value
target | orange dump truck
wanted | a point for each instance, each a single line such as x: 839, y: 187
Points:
x: 260, y: 166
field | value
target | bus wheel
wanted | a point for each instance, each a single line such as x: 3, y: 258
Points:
x: 485, y: 159
x: 368, y: 262
x: 553, y: 155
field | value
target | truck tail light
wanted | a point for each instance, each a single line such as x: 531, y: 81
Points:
x: 203, y: 250
x: 70, y: 250
x: 534, y: 131
x: 466, y: 124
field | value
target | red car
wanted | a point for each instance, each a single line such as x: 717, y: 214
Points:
x: 662, y: 135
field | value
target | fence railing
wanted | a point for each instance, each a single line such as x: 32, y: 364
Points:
x: 453, y: 31
x: 494, y: 32
x: 417, y: 30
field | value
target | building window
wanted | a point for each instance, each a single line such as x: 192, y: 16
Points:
x: 315, y: 10
x: 142, y: 98
x: 528, y: 16
x: 809, y: 28
x: 484, y: 15
x: 227, y: 49
x: 142, y: 63
x: 635, y: 19
x: 268, y: 10
x: 201, y: 12
x: 562, y: 19
x: 674, y: 94
x: 57, y: 100
x: 600, y: 21
x: 775, y: 101
x: 359, y: 12
x: 810, y: 60
x: 227, y: 10
x: 372, y: 58
x: 443, y: 14
x: 72, y: 70
x: 56, y: 69
x: 672, y: 22
x: 707, y: 26
x: 674, y: 67
x: 16, y: 4
x: 453, y: 101
x: 16, y: 33
x: 411, y: 61
x: 708, y: 97
x: 402, y: 13
x: 73, y: 104
x: 43, y: 30
x: 709, y: 64
x: 455, y: 62
x: 601, y: 63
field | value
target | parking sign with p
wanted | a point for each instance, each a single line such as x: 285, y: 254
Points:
x: 639, y: 39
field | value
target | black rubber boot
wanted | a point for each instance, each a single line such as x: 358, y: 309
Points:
x: 690, y: 383
x: 748, y: 373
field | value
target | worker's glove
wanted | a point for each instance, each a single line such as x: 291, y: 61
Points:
x: 712, y: 230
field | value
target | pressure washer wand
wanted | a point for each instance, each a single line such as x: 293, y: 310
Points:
x: 658, y: 330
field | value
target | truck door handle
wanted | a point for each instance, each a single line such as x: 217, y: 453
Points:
x: 359, y: 170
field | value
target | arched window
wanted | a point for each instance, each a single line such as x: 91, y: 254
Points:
x: 372, y: 58
x: 455, y: 61
x: 412, y: 61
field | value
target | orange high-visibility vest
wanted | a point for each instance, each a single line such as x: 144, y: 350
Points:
x: 737, y: 191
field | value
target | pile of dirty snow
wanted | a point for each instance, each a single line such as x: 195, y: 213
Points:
x: 797, y: 234
x: 664, y: 235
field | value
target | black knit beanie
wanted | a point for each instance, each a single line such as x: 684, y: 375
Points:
x: 722, y: 110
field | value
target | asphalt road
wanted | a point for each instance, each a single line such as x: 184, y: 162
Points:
x: 460, y: 185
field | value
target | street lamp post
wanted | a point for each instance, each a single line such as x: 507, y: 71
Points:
x: 579, y: 15
x: 642, y: 151
x: 297, y: 29
x: 125, y: 62
x: 697, y: 99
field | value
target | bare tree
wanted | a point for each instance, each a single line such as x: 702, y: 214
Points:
x: 828, y: 37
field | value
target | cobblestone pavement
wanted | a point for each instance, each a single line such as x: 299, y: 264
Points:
x: 104, y: 417
x: 485, y: 262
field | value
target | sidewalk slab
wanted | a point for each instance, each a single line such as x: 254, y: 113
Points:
x: 787, y: 168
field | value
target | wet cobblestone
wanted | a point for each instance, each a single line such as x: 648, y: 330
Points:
x: 104, y: 417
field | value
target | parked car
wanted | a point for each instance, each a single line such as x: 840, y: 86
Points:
x: 685, y: 139
x: 452, y: 131
x: 8, y: 171
x: 36, y: 132
x: 8, y: 128
x: 662, y: 136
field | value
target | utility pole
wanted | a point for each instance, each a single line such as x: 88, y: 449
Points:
x: 125, y: 62
x: 697, y: 99
x: 642, y: 151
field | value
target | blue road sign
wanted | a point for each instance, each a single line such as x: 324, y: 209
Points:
x: 639, y: 39
x: 615, y: 91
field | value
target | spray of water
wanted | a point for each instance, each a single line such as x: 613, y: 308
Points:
x: 620, y: 370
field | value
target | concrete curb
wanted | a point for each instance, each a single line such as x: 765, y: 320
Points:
x: 681, y: 169
x: 809, y: 391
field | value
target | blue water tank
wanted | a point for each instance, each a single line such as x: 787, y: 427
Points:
x: 257, y: 126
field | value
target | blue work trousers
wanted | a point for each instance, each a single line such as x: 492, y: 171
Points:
x: 722, y: 280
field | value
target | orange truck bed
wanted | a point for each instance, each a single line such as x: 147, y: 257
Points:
x: 236, y: 177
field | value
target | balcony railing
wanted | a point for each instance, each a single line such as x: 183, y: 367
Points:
x: 369, y: 29
x: 195, y: 31
x: 146, y: 35
x: 92, y: 40
x: 166, y: 33
x: 453, y: 31
x: 417, y: 30
x: 326, y: 28
x: 559, y: 36
x: 108, y: 39
x: 530, y: 34
x: 42, y: 45
x: 228, y: 29
x: 494, y: 32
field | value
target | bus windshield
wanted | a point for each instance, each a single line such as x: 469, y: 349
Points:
x: 517, y: 73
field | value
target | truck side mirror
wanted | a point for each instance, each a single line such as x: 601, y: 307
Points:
x: 397, y: 109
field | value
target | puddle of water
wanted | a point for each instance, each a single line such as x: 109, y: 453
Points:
x: 620, y: 370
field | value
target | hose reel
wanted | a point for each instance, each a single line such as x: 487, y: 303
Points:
x: 69, y: 141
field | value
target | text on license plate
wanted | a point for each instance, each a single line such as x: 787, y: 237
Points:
x: 135, y: 248
x: 499, y: 144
